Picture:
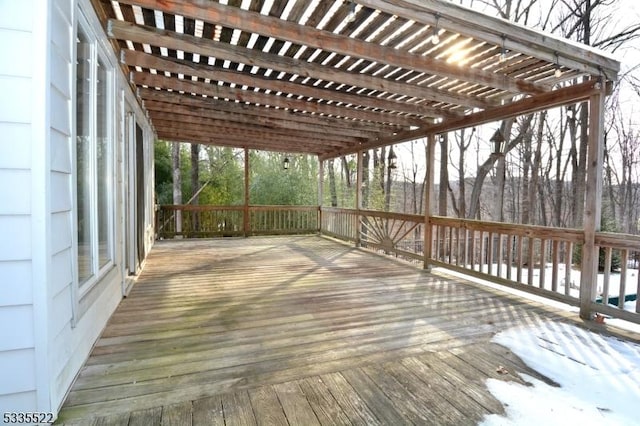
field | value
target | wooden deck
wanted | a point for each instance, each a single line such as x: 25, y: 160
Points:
x: 296, y: 330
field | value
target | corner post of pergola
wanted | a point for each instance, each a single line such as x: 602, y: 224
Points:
x: 428, y: 199
x: 593, y: 205
x: 320, y: 192
x: 358, y: 198
x: 245, y: 210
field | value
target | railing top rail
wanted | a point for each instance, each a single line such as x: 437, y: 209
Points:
x: 569, y: 234
x: 283, y: 207
x: 619, y: 241
x: 200, y: 207
x: 377, y: 213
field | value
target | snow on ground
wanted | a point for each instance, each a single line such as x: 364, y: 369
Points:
x: 599, y: 378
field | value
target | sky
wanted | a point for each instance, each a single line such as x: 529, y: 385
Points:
x: 599, y: 378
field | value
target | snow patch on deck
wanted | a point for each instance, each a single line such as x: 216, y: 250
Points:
x: 599, y: 378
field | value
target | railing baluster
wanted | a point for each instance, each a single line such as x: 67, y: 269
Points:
x: 638, y: 292
x: 509, y: 265
x: 472, y: 248
x: 608, y: 251
x: 488, y: 256
x: 519, y: 258
x: 450, y: 245
x: 499, y: 255
x: 624, y: 257
x: 530, y: 260
x: 543, y: 263
x: 466, y: 248
x: 555, y: 256
x: 568, y: 263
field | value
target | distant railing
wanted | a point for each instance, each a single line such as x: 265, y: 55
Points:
x: 206, y: 221
x: 274, y: 220
x: 540, y: 260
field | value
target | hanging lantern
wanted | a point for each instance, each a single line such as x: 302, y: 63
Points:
x: 393, y: 159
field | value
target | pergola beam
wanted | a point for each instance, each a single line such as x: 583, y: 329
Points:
x: 235, y: 141
x: 186, y: 121
x: 497, y: 31
x: 253, y: 140
x: 236, y: 94
x: 176, y: 66
x: 241, y: 120
x: 201, y: 105
x: 253, y: 22
x: 173, y: 40
x: 564, y: 96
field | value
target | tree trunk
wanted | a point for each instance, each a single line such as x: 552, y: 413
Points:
x: 332, y: 185
x: 444, y: 175
x: 177, y: 184
x: 195, y: 184
x: 366, y: 159
x: 485, y: 168
x: 505, y: 129
x: 387, y: 186
x: 462, y: 184
x: 534, y: 188
x: 346, y: 171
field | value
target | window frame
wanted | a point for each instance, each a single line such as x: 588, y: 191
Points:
x: 97, y: 55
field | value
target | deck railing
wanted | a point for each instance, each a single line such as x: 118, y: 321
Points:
x: 532, y: 258
x: 204, y: 221
x: 539, y: 260
x: 396, y: 234
x: 617, y: 290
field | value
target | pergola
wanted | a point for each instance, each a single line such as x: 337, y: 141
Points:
x: 336, y: 77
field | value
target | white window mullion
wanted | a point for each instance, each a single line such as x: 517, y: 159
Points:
x: 94, y: 160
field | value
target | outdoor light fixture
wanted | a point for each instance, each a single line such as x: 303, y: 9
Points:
x: 499, y: 142
x: 558, y: 72
x: 352, y: 12
x: 393, y: 159
x: 285, y: 163
x: 435, y: 38
x: 503, y: 51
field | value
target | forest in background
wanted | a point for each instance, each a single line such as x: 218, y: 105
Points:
x: 528, y: 170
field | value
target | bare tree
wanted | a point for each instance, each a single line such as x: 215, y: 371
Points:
x: 177, y: 183
x: 444, y: 175
x: 332, y: 184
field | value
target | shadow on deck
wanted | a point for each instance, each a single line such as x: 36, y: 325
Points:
x: 297, y: 330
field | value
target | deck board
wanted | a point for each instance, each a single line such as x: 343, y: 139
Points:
x: 296, y: 330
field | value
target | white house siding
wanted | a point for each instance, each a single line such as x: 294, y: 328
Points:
x: 42, y: 345
x: 17, y: 337
x: 70, y: 343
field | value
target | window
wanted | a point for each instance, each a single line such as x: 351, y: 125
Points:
x: 94, y: 164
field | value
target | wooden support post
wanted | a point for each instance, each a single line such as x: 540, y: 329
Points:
x: 429, y: 192
x: 358, y: 197
x: 593, y: 203
x: 245, y: 222
x: 320, y: 192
